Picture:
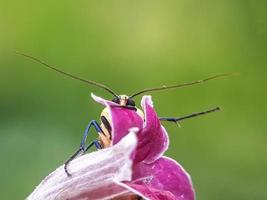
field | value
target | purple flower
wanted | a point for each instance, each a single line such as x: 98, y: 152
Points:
x: 153, y: 176
x: 132, y: 167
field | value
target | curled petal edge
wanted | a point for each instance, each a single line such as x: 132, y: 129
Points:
x: 153, y: 133
x: 103, y: 101
x: 91, y: 174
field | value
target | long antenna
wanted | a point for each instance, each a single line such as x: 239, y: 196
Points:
x: 179, y: 85
x: 177, y: 119
x: 68, y: 74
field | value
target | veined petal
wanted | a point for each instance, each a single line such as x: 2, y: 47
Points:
x: 163, y: 179
x: 94, y: 175
x: 153, y: 139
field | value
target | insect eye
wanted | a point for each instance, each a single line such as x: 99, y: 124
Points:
x: 130, y: 102
x: 116, y: 100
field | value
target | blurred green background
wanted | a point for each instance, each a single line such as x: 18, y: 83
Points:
x: 131, y: 45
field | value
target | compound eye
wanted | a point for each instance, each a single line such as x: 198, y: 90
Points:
x: 116, y: 100
x: 130, y: 102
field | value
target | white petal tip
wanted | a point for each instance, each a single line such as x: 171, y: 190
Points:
x: 147, y: 99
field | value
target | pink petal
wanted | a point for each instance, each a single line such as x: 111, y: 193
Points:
x: 153, y: 139
x: 163, y: 179
x: 94, y: 176
x: 103, y: 101
x: 122, y: 120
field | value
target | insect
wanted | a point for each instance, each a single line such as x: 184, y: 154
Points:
x: 127, y: 102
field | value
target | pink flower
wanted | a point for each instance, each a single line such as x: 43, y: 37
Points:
x: 154, y: 177
x: 132, y: 167
x: 94, y: 176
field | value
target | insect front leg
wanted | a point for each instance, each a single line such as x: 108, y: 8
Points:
x: 82, y: 148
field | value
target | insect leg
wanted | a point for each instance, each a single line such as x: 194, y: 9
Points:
x: 96, y: 143
x: 82, y: 144
x: 97, y: 128
x: 70, y: 159
x: 177, y: 119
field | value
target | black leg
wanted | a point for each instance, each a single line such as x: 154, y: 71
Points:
x: 177, y: 119
x: 97, y: 128
x: 82, y: 148
x: 70, y: 159
x: 94, y: 143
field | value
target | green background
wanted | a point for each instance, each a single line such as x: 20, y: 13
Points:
x: 131, y: 45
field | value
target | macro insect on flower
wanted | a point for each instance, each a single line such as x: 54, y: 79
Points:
x: 119, y: 115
